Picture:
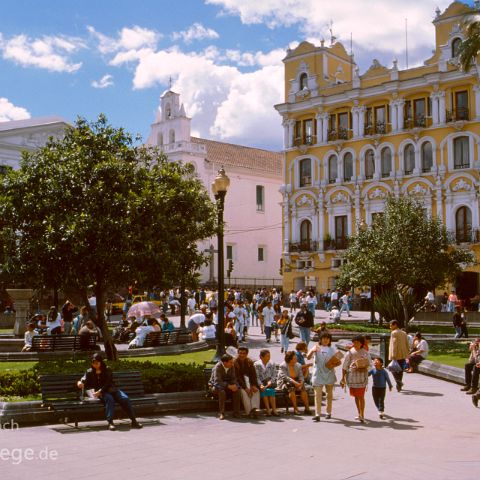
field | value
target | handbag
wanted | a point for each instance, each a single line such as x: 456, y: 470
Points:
x: 333, y: 362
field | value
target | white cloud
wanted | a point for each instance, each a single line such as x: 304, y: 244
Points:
x: 47, y: 52
x: 375, y: 24
x: 195, y: 32
x: 128, y: 39
x: 8, y: 111
x: 104, y: 82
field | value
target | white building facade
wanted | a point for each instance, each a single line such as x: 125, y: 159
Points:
x: 253, y: 214
x: 26, y: 135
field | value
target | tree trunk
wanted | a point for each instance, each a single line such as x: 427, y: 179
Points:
x: 110, y: 349
x: 404, y: 306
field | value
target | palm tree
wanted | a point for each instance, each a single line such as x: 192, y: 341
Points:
x: 470, y: 47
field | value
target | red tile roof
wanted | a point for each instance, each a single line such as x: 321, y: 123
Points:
x: 228, y: 154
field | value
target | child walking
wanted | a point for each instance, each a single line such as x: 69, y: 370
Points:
x: 380, y: 379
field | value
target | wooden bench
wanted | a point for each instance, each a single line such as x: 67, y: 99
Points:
x: 52, y: 343
x: 61, y: 394
x: 279, y: 394
x: 159, y: 339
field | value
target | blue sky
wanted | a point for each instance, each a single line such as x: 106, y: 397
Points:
x: 70, y: 58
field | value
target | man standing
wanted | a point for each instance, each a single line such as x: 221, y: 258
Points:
x: 304, y: 320
x: 398, y: 350
x: 247, y: 379
x: 334, y: 298
x: 268, y: 314
x: 240, y: 313
x: 223, y: 382
x: 68, y: 310
x: 345, y: 304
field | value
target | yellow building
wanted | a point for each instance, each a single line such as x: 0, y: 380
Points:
x: 351, y: 140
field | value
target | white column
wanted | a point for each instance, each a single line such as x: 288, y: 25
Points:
x: 318, y: 118
x: 400, y: 105
x: 291, y: 126
x: 286, y: 225
x: 357, y: 205
x: 286, y: 134
x: 476, y: 89
x: 376, y: 175
x: 355, y: 122
x: 325, y: 127
x: 417, y: 169
x: 361, y: 122
x: 435, y: 117
x: 442, y: 108
x: 393, y: 116
x: 321, y: 222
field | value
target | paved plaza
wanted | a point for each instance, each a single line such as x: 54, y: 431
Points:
x: 430, y: 433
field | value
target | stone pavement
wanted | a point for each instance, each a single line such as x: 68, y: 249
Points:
x: 431, y: 432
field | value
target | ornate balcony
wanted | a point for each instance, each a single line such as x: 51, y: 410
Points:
x: 457, y: 114
x: 303, y: 246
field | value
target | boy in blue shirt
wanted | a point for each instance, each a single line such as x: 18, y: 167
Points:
x: 380, y: 379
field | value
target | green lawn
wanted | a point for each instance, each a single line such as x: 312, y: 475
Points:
x: 451, y: 359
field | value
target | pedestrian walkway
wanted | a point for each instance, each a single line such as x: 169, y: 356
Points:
x: 431, y: 432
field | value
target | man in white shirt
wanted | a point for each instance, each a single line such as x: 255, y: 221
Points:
x: 240, y: 313
x: 268, y: 314
x: 193, y: 323
x: 345, y: 305
x: 334, y: 298
x: 191, y: 304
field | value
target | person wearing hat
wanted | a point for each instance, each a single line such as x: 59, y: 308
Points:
x: 98, y: 380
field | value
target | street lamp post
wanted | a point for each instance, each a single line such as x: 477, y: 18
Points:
x: 219, y: 189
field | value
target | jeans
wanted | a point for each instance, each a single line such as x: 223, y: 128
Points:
x: 378, y: 394
x: 120, y: 397
x: 268, y: 332
x: 344, y: 307
x: 398, y: 376
x: 458, y: 331
x: 239, y: 330
x: 327, y: 305
x: 284, y: 341
x: 451, y: 306
x: 305, y: 334
x: 311, y: 308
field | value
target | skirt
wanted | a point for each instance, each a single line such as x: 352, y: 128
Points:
x: 357, y: 392
x: 268, y: 392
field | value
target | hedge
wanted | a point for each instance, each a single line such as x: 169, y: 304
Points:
x: 157, y: 378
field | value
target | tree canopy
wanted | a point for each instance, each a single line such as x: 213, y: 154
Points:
x: 93, y: 208
x: 402, y: 249
x: 470, y: 47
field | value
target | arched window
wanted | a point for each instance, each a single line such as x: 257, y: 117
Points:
x: 456, y: 46
x: 160, y: 139
x: 369, y: 164
x: 305, y: 172
x: 427, y: 157
x: 347, y: 167
x: 463, y: 225
x: 461, y: 152
x: 386, y: 161
x: 332, y: 169
x: 305, y: 235
x: 409, y: 159
x: 171, y: 136
x: 303, y: 81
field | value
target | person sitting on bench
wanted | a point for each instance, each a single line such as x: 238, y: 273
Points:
x: 99, y: 381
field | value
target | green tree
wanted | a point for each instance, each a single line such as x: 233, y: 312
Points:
x: 403, y: 249
x: 470, y: 47
x: 94, y: 209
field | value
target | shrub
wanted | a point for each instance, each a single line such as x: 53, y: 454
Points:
x: 157, y: 378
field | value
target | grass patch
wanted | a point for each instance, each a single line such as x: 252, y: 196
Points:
x: 15, y: 366
x: 16, y: 398
x: 6, y: 330
x: 452, y: 360
x: 194, y: 357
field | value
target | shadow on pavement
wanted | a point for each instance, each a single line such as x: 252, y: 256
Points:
x: 421, y: 394
x: 122, y: 426
x: 391, y: 422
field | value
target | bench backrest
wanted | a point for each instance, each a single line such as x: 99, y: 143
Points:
x: 64, y: 387
x: 51, y: 343
x: 157, y: 339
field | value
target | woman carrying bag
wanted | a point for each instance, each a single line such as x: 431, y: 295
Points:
x: 285, y: 325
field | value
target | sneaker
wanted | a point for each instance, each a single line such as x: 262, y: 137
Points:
x: 136, y: 425
x: 316, y: 418
x: 111, y: 426
x: 328, y: 416
x: 381, y: 415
